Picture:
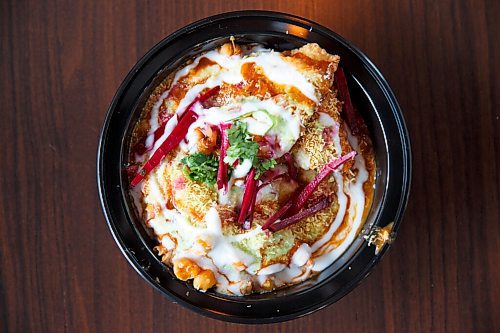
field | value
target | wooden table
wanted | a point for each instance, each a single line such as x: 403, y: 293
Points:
x: 60, y: 65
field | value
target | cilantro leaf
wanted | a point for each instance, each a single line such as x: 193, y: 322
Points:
x: 241, y: 146
x: 263, y: 166
x: 201, y: 167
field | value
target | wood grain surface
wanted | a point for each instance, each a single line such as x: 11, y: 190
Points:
x: 61, y: 62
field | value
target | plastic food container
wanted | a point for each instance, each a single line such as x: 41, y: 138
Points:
x: 370, y: 94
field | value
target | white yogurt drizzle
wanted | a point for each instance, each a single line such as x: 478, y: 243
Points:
x: 274, y: 67
x: 235, y: 270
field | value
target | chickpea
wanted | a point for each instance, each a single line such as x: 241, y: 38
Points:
x: 226, y: 49
x: 268, y: 285
x: 229, y: 49
x: 186, y: 269
x: 207, y: 140
x: 204, y: 280
x: 246, y: 287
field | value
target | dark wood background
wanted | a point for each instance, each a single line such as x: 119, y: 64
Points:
x: 61, y: 62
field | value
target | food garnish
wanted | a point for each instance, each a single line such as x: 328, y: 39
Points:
x: 292, y: 169
x: 352, y: 116
x: 171, y: 142
x: 201, y: 167
x: 140, y: 148
x: 242, y: 147
x: 222, y: 172
x: 320, y: 205
x: 295, y: 204
x: 325, y: 172
x: 248, y: 199
x: 177, y: 135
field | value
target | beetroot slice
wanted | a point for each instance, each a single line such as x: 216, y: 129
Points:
x: 313, y: 185
x: 276, y: 216
x: 248, y: 197
x: 320, y: 205
x: 271, y: 179
x: 292, y: 169
x: 294, y: 205
x: 140, y: 147
x: 222, y: 171
x: 248, y: 222
x: 172, y: 141
x: 352, y: 116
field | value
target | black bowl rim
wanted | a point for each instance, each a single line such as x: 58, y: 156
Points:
x: 396, y: 112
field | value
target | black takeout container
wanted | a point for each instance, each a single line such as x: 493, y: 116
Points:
x: 372, y: 97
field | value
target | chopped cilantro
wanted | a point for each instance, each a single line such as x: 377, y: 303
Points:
x: 201, y: 167
x: 242, y: 147
x: 264, y: 166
